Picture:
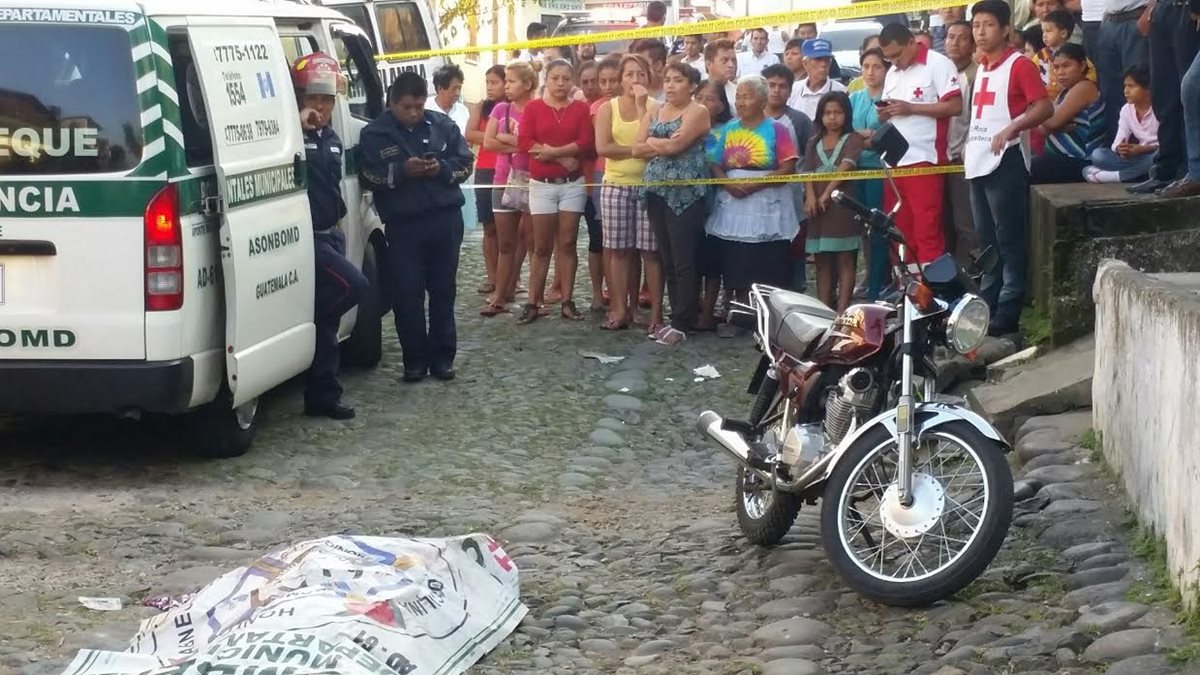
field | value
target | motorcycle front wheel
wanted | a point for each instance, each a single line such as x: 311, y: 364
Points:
x: 917, y: 555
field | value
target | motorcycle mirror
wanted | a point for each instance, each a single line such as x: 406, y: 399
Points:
x: 985, y: 260
x: 942, y: 270
x: 889, y: 143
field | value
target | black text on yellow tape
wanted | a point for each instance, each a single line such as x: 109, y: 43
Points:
x: 854, y: 11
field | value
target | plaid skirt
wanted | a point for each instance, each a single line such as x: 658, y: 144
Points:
x: 624, y: 220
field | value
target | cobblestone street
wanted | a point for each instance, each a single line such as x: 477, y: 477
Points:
x: 619, y: 517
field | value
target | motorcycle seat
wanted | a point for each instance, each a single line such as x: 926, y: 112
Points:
x: 797, y: 319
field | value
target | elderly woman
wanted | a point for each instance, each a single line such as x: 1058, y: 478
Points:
x: 754, y: 223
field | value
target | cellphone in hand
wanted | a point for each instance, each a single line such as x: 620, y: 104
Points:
x: 429, y: 156
x: 882, y: 103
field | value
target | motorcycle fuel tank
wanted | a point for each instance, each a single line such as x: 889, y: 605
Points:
x: 856, y: 334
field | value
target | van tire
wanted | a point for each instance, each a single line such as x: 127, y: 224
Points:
x: 221, y: 433
x: 364, y: 347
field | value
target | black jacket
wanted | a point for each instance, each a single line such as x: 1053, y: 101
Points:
x: 323, y: 152
x: 386, y: 145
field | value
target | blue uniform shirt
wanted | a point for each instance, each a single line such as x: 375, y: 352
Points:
x: 387, y: 145
x: 323, y: 152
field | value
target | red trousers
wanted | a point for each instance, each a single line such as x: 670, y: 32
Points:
x: 920, y: 216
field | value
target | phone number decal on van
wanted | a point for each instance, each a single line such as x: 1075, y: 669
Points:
x: 254, y: 51
x: 100, y: 16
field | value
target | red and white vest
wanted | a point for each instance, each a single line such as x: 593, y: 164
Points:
x: 989, y: 116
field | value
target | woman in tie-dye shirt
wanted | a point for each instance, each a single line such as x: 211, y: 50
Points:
x: 754, y: 223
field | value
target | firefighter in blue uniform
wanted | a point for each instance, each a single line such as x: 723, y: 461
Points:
x: 339, y: 284
x: 414, y: 160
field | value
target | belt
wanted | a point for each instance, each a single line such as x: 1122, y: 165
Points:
x: 570, y: 178
x: 1127, y: 15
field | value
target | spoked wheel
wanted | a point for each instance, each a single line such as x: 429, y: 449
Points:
x: 764, y: 515
x: 919, y: 554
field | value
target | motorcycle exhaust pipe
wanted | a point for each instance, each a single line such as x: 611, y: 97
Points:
x: 711, y: 425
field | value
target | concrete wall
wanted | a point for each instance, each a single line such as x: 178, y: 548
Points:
x: 1073, y: 227
x: 1146, y: 402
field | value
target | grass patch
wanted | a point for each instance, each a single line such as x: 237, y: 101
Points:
x: 1035, y: 326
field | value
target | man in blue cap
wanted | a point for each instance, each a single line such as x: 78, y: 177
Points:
x: 818, y: 56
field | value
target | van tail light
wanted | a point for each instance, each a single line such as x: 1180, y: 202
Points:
x: 164, y: 252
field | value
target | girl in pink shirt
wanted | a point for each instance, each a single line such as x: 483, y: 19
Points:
x: 1132, y: 152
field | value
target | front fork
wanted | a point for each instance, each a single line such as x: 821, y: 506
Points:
x: 904, y: 409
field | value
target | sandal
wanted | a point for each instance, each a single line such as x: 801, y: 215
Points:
x: 492, y: 309
x: 543, y: 310
x: 486, y: 288
x: 528, y: 315
x: 570, y: 312
x: 727, y: 330
x: 671, y: 337
x: 613, y: 324
x: 656, y: 329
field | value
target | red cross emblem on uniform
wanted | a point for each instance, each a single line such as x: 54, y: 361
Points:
x: 918, y: 94
x: 983, y: 98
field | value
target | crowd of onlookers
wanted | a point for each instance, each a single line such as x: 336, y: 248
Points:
x: 1018, y: 95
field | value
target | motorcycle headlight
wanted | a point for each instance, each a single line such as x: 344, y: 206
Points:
x: 968, y: 324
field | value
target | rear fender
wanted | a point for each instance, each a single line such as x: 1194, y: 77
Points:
x: 928, y: 416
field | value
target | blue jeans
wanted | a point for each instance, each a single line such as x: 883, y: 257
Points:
x: 1190, y: 93
x: 1125, y: 48
x: 1000, y: 207
x: 1131, y: 170
x: 1173, y: 46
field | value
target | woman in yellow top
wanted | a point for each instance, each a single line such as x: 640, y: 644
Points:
x: 622, y: 211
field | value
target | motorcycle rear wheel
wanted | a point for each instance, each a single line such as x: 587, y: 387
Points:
x: 763, y: 515
x: 911, y: 535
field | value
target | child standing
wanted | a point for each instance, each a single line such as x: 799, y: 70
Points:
x: 1132, y: 152
x: 1057, y: 29
x: 833, y: 234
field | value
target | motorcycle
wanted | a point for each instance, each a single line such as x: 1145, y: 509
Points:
x: 915, y: 490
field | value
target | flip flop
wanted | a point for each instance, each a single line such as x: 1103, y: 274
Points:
x: 613, y: 324
x: 656, y: 330
x: 671, y: 337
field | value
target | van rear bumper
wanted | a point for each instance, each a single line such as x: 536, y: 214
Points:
x: 80, y: 387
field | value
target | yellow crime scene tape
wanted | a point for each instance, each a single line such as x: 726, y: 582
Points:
x: 855, y: 11
x: 865, y: 174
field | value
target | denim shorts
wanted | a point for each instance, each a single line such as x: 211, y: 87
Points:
x: 549, y: 198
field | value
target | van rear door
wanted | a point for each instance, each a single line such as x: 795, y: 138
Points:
x: 72, y: 254
x: 266, y: 229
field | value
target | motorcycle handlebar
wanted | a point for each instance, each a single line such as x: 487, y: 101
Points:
x: 874, y: 219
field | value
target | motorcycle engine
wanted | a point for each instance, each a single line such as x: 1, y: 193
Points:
x: 853, y: 395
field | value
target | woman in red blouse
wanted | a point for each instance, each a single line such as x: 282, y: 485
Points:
x: 557, y: 133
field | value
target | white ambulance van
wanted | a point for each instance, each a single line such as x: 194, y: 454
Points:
x: 155, y: 239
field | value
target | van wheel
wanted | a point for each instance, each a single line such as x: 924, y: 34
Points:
x: 224, y: 432
x: 364, y: 347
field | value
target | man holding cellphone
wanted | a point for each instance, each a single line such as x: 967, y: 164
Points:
x: 414, y: 161
x: 921, y: 93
